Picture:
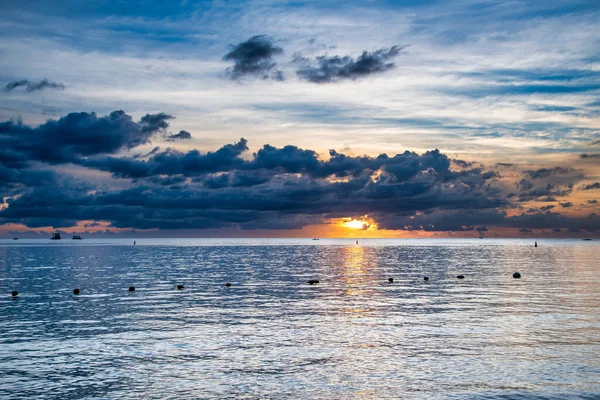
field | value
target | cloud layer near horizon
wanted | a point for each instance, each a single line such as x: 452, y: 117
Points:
x: 274, y: 188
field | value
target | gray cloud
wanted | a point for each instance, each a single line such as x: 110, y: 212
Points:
x: 327, y: 69
x: 590, y: 156
x: 275, y: 187
x: 547, y: 172
x: 74, y: 136
x: 254, y: 57
x: 33, y: 86
x: 591, y: 186
x: 182, y: 135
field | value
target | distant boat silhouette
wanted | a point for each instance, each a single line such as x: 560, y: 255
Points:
x: 586, y: 239
x: 77, y: 237
x: 316, y: 239
x: 15, y: 238
x: 55, y: 236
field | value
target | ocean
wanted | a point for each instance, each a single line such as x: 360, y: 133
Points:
x: 271, y: 335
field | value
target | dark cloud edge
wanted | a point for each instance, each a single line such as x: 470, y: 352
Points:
x: 277, y: 188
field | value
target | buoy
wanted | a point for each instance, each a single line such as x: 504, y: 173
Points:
x: 425, y: 278
x: 460, y: 277
x: 76, y: 291
x: 313, y: 281
x: 15, y: 293
x: 134, y: 242
x: 390, y: 280
x: 357, y: 242
x: 132, y: 288
x: 516, y: 275
x: 180, y: 287
x: 228, y: 284
x: 535, y: 244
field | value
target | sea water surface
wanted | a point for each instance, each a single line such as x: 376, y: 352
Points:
x: 271, y: 335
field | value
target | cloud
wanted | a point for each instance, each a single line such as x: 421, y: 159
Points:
x: 254, y: 57
x: 182, y: 135
x: 33, y: 86
x: 274, y: 187
x: 593, y: 201
x: 548, y: 192
x: 590, y: 156
x: 591, y: 186
x: 566, y: 204
x: 76, y: 135
x: 327, y: 69
x: 547, y: 172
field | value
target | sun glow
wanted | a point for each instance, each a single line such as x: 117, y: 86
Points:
x: 362, y: 224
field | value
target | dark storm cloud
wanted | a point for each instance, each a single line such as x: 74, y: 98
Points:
x: 465, y: 220
x: 547, y: 192
x: 463, y: 163
x: 326, y: 69
x: 276, y: 187
x: 33, y: 86
x: 76, y: 135
x: 590, y: 156
x: 182, y: 135
x: 591, y: 186
x: 547, y: 172
x: 289, y: 185
x: 254, y: 57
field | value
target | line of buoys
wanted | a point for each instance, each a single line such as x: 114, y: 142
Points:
x: 77, y: 291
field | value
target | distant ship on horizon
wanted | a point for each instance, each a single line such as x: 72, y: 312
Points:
x: 77, y: 237
x: 55, y: 236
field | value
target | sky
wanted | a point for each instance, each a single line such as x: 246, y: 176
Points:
x: 274, y: 118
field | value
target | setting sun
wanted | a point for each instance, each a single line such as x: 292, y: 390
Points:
x: 357, y: 224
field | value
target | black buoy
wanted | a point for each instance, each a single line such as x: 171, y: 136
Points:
x: 15, y: 293
x: 228, y: 284
x: 535, y: 244
x: 425, y: 278
x: 76, y: 291
x: 132, y: 288
x: 180, y: 287
x: 460, y: 277
x: 134, y: 242
x: 391, y: 280
x: 313, y: 281
x: 516, y: 275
